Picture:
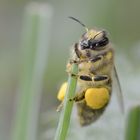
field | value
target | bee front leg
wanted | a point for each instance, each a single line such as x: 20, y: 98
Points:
x: 69, y: 64
x: 91, y: 60
x: 95, y: 59
x: 77, y: 52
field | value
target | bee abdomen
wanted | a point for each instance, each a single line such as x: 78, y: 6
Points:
x: 88, y: 115
x: 100, y: 78
x: 85, y: 78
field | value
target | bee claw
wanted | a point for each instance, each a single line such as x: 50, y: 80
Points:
x: 72, y: 99
x: 74, y: 75
x: 59, y: 108
x: 78, y: 61
x: 74, y: 61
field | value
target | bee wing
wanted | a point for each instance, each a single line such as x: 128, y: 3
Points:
x: 117, y: 87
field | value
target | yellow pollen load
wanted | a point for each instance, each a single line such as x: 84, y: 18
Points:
x: 62, y: 92
x: 96, y: 98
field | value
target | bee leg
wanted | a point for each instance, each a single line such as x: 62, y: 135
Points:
x: 78, y: 61
x: 59, y: 108
x: 78, y: 53
x: 95, y: 79
x: 69, y: 64
x: 91, y: 60
x: 73, y: 75
x: 78, y: 97
x: 97, y: 58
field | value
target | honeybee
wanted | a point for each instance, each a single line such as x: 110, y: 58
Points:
x: 94, y: 55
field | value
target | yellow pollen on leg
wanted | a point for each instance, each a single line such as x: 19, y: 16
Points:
x: 62, y: 92
x: 97, y: 98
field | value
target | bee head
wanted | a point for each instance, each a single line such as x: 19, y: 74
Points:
x: 94, y: 40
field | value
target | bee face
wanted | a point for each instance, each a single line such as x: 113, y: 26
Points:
x: 94, y: 40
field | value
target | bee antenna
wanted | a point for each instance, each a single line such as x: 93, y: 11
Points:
x: 79, y: 22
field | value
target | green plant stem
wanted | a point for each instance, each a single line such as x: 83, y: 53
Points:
x: 67, y: 108
x: 133, y: 124
x: 35, y: 43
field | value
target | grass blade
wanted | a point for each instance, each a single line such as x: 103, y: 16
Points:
x: 34, y: 49
x: 133, y: 125
x: 67, y: 108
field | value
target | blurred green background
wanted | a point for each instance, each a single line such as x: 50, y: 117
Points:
x: 120, y: 18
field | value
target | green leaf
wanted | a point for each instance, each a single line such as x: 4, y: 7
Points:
x: 64, y: 121
x: 133, y: 125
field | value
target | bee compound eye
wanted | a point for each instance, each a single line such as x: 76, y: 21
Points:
x: 103, y: 42
x: 84, y: 44
x: 98, y: 44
